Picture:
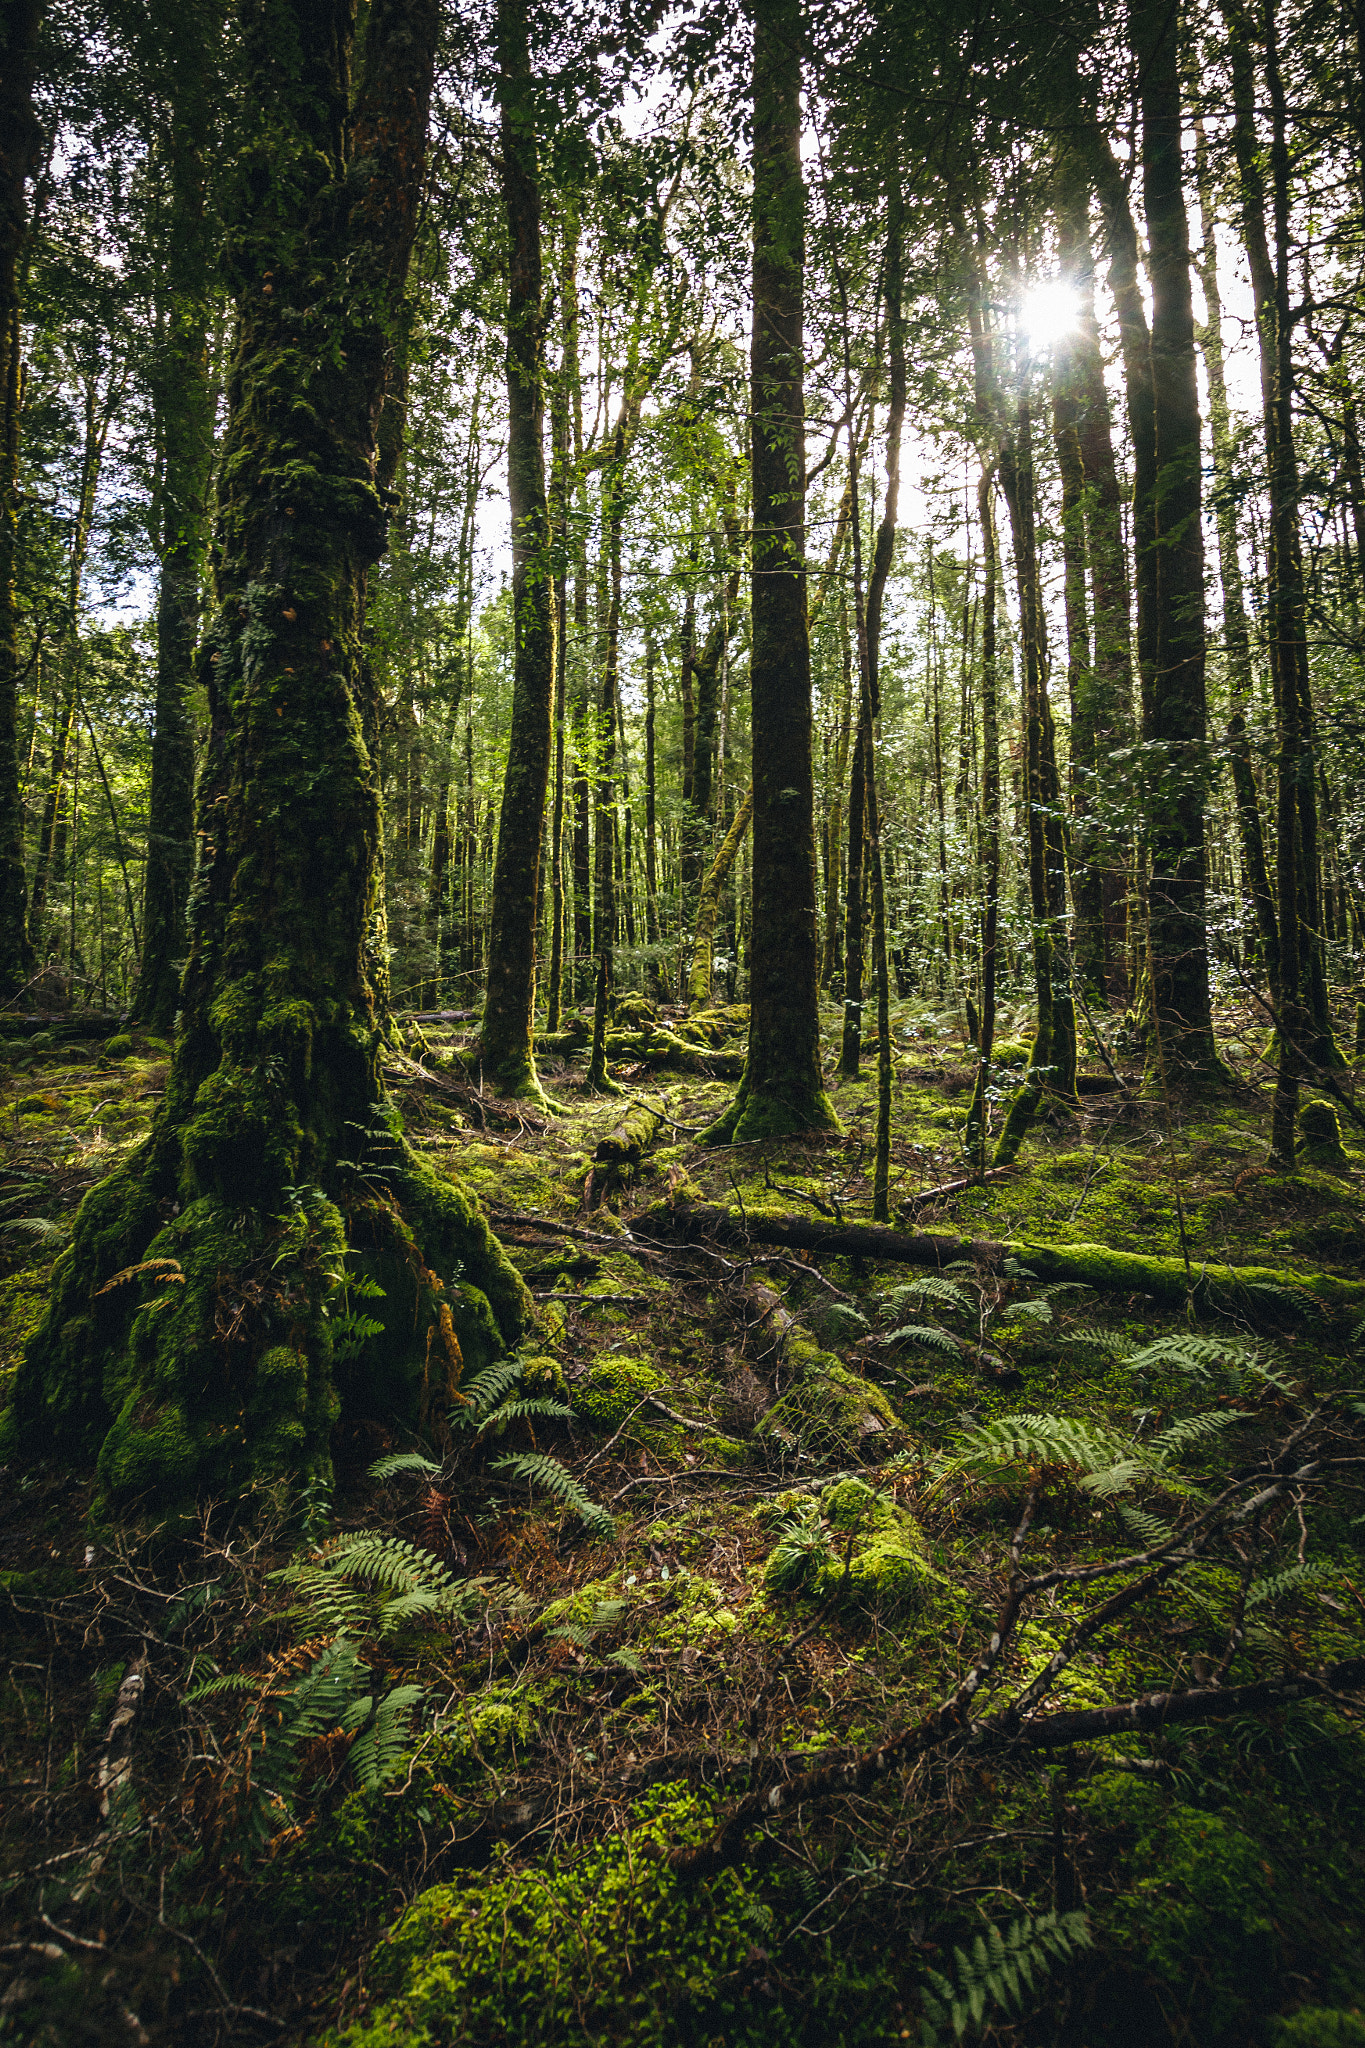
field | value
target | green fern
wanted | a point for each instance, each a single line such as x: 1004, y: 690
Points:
x: 385, y: 1732
x: 927, y: 1334
x: 899, y: 1301
x: 402, y: 1461
x: 1032, y: 1439
x: 367, y: 1580
x: 998, y: 1970
x: 1281, y: 1584
x: 539, y: 1470
x: 483, y: 1393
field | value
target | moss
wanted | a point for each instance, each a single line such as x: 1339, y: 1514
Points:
x: 543, y: 1376
x: 830, y: 1410
x: 38, y: 1105
x: 610, y: 1948
x: 1320, y: 1138
x: 1320, y: 2027
x: 118, y: 1047
x: 613, y: 1386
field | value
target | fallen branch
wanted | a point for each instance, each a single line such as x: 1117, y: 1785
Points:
x: 1094, y: 1265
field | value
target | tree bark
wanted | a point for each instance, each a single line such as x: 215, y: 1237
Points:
x: 783, y: 1089
x: 700, y: 978
x: 1236, y: 637
x: 978, y: 1112
x: 1181, y: 1044
x: 509, y: 1006
x: 184, y: 406
x: 275, y: 1171
x: 20, y: 142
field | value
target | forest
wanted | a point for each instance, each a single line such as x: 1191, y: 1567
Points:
x: 682, y: 982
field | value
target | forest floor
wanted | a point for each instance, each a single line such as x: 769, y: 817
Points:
x: 570, y: 1725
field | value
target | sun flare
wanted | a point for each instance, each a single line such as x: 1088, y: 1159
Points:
x: 1049, y: 313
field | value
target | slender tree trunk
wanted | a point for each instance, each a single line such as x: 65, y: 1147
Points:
x: 20, y: 141
x: 1236, y: 637
x: 702, y: 971
x: 1111, y: 675
x: 184, y: 407
x: 560, y: 411
x: 978, y: 1113
x: 1175, y: 724
x: 509, y: 1005
x: 1052, y: 1059
x: 605, y: 903
x: 1286, y: 608
x: 275, y: 1161
x: 782, y: 1089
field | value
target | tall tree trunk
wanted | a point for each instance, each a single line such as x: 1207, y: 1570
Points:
x: 275, y: 1171
x: 183, y: 400
x: 604, y: 865
x: 978, y: 1112
x: 1051, y: 1066
x: 702, y: 971
x: 1175, y: 735
x: 509, y: 1006
x: 1286, y: 609
x: 1111, y: 674
x: 783, y: 1088
x: 20, y: 142
x: 1236, y: 637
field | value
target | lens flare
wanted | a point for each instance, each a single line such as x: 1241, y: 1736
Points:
x: 1049, y: 313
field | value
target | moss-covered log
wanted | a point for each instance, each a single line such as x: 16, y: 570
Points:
x: 630, y: 1134
x: 274, y: 1254
x: 1094, y: 1265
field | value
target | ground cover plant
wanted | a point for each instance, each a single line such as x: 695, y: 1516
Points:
x: 779, y: 1647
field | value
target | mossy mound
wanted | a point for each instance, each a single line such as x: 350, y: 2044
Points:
x: 1320, y: 1138
x: 831, y: 1411
x: 852, y: 1544
x: 614, y: 1385
x: 613, y: 1947
x: 118, y: 1047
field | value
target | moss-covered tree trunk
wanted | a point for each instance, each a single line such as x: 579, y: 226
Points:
x: 783, y: 1088
x: 702, y: 973
x: 1181, y: 1044
x: 978, y: 1112
x: 1110, y: 681
x: 20, y: 141
x: 1236, y: 635
x: 509, y: 1002
x: 204, y: 1330
x: 1287, y: 622
x: 184, y: 406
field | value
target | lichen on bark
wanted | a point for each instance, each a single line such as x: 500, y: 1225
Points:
x: 215, y: 1311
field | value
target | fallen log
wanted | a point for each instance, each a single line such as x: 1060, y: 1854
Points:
x: 1166, y: 1280
x: 661, y: 1048
x: 630, y: 1134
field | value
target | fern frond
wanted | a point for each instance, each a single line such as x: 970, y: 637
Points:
x: 898, y: 1301
x: 531, y: 1409
x: 490, y: 1386
x: 1037, y: 1440
x: 388, y: 1562
x: 540, y: 1470
x: 1281, y: 1584
x: 1193, y: 1429
x: 1150, y: 1530
x: 401, y: 1461
x: 384, y: 1735
x: 1038, y: 1311
x: 1001, y: 1966
x: 927, y: 1334
x: 39, y: 1228
x: 226, y: 1681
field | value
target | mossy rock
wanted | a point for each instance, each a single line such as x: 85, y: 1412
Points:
x: 853, y: 1544
x: 831, y: 1411
x: 118, y: 1047
x: 1320, y: 1138
x: 543, y: 1377
x: 38, y: 1105
x: 1010, y: 1052
x: 614, y: 1947
x: 613, y: 1386
x: 635, y: 1012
